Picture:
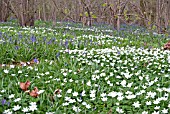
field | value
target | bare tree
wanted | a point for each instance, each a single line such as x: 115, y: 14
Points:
x: 158, y: 15
x: 166, y: 14
x: 162, y: 18
x: 4, y: 10
x: 149, y: 13
x: 24, y: 10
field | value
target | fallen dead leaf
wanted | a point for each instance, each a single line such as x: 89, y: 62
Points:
x: 34, y: 92
x: 24, y: 86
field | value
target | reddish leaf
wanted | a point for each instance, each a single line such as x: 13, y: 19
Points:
x: 34, y: 93
x: 167, y: 46
x: 24, y: 86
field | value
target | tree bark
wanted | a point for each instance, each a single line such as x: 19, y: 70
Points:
x: 24, y: 10
x: 167, y: 10
x: 158, y: 16
x: 118, y: 17
x: 4, y: 10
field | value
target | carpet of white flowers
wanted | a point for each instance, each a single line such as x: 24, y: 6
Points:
x: 88, y: 78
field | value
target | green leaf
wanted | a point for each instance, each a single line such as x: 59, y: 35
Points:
x: 104, y: 5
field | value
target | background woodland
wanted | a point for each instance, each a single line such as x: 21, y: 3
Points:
x: 152, y: 14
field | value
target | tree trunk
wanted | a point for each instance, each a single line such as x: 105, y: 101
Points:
x: 4, y: 10
x: 24, y: 10
x: 158, y: 16
x: 118, y: 17
x: 1, y: 15
x: 167, y: 10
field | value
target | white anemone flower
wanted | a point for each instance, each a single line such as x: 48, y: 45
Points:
x: 17, y: 107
